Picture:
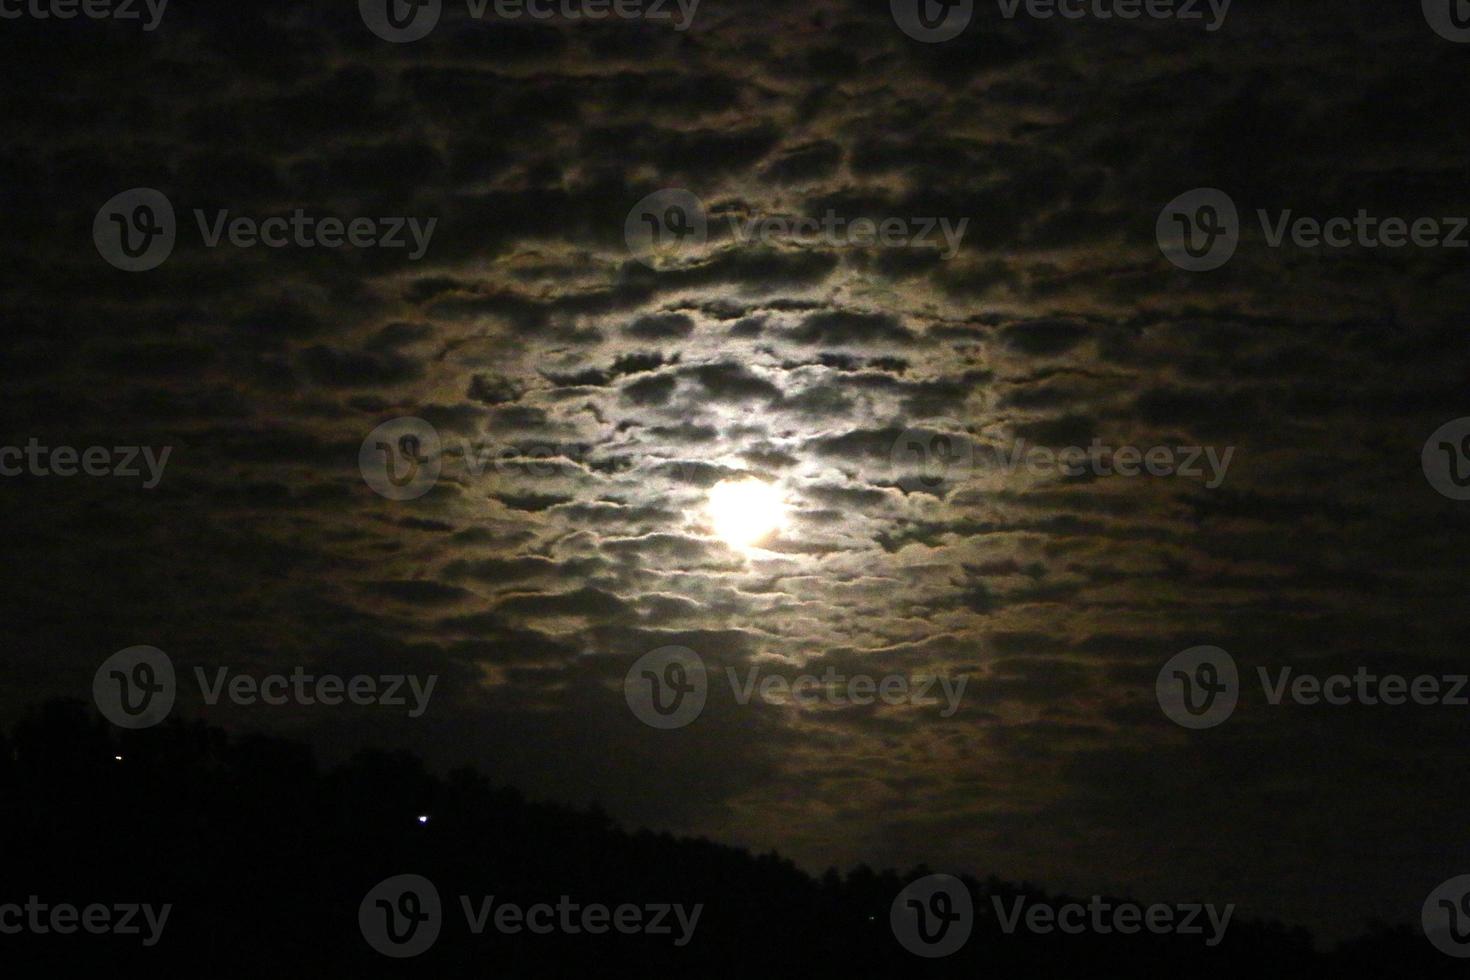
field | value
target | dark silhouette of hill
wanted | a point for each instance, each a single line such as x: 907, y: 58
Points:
x: 265, y: 860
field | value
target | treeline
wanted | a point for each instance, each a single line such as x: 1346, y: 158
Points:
x: 264, y: 859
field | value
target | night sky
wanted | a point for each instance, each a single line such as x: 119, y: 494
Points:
x: 601, y: 389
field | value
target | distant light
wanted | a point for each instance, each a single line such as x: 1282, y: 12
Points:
x: 118, y: 758
x: 423, y: 817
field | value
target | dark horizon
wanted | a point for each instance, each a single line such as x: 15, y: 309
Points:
x: 211, y: 804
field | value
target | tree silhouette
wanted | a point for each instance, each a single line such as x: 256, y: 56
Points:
x: 265, y: 859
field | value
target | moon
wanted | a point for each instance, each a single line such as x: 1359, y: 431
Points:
x: 745, y: 512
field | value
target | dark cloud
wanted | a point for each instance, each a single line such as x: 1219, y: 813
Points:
x: 660, y: 327
x: 841, y: 327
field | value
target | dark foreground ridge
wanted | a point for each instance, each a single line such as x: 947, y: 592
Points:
x: 265, y: 861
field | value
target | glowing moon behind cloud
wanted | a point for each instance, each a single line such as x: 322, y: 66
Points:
x: 744, y: 512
